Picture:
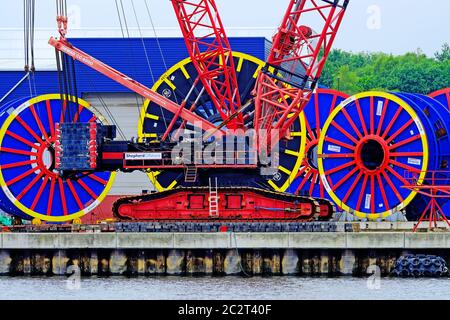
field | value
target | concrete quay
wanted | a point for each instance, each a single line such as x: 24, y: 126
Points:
x: 286, y: 240
x: 254, y: 254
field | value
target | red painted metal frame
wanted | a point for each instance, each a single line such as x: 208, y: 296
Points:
x: 211, y: 54
x: 277, y: 102
x: 436, y: 188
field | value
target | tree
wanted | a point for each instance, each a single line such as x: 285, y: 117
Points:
x: 412, y: 72
x: 444, y: 54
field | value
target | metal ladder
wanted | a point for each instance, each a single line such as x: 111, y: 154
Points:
x: 213, y: 200
x: 190, y: 174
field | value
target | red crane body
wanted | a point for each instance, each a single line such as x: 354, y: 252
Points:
x: 284, y: 87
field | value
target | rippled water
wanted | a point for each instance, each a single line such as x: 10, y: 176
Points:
x: 207, y: 288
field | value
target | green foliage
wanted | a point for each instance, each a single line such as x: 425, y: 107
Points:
x: 412, y: 72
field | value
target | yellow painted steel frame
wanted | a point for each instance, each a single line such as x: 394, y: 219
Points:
x: 241, y: 56
x: 16, y: 202
x: 424, y: 140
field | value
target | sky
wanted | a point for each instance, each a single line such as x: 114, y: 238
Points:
x: 391, y: 26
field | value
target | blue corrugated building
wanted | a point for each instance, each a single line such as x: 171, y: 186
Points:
x: 126, y: 55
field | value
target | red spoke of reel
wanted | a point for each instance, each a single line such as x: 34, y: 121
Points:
x: 393, y: 188
x: 398, y: 176
x: 87, y: 189
x: 30, y: 185
x: 77, y: 114
x: 74, y: 194
x: 302, y: 184
x: 63, y: 111
x: 406, y: 154
x: 383, y: 192
x: 372, y: 192
x: 50, y: 118
x: 341, y: 167
x: 300, y: 172
x: 352, y: 124
x: 51, y: 194
x: 313, y: 183
x: 391, y: 122
x: 333, y: 102
x: 339, y: 143
x: 63, y: 196
x: 344, y: 132
x: 361, y: 117
x: 27, y: 127
x: 21, y: 139
x: 322, y: 189
x: 383, y: 114
x: 17, y: 151
x: 310, y: 132
x: 404, y: 166
x: 317, y: 114
x: 39, y: 122
x: 344, y: 179
x: 339, y: 155
x: 406, y: 141
x: 39, y: 193
x: 361, y: 193
x: 22, y: 176
x: 399, y: 131
x: 18, y: 164
x: 352, y: 187
x: 98, y: 179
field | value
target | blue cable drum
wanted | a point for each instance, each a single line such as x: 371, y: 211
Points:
x: 28, y: 178
x: 443, y: 96
x: 367, y: 146
x: 308, y: 181
x: 438, y: 118
x: 5, y: 204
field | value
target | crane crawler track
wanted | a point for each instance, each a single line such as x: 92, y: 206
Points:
x: 184, y: 204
